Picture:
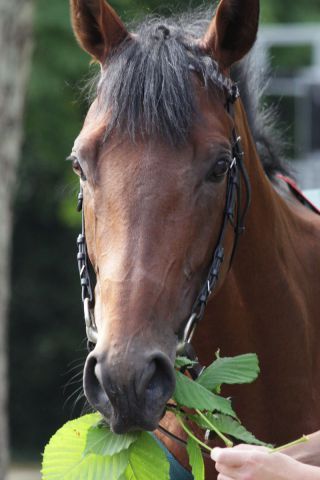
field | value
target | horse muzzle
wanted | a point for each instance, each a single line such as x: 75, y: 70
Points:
x: 129, y: 395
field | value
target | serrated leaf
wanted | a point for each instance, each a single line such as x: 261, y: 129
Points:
x: 147, y: 460
x: 228, y: 426
x: 195, y: 459
x: 181, y: 362
x: 64, y: 460
x: 101, y: 441
x: 230, y: 370
x: 190, y: 394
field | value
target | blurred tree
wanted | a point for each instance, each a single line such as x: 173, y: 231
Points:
x: 286, y: 11
x: 15, y: 47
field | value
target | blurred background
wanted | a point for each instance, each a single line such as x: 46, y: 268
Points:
x: 45, y: 343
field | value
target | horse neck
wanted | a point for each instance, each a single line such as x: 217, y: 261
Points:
x: 264, y: 283
x: 265, y: 306
x: 269, y: 219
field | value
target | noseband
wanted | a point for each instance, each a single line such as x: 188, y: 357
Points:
x: 234, y: 214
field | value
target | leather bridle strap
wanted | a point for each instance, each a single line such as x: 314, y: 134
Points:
x: 179, y: 440
x: 86, y: 287
x: 233, y: 215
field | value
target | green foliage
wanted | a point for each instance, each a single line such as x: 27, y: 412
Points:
x: 228, y: 426
x: 101, y: 441
x: 286, y: 11
x: 283, y: 61
x: 235, y: 370
x: 147, y: 460
x: 193, y: 395
x: 182, y: 362
x: 64, y: 456
x: 195, y: 459
x: 83, y: 449
x: 86, y: 448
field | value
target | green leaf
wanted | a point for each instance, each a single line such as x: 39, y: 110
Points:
x: 147, y: 460
x: 189, y: 393
x: 101, y: 441
x: 181, y: 362
x: 230, y: 370
x: 195, y: 459
x: 64, y: 460
x: 228, y: 426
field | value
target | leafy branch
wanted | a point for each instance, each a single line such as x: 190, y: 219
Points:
x: 86, y: 447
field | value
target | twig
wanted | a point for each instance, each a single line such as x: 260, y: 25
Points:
x: 214, y: 429
x: 303, y: 439
x: 186, y: 429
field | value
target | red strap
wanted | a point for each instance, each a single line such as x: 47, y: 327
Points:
x: 298, y: 193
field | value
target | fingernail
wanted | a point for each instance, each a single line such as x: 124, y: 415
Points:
x: 214, y: 453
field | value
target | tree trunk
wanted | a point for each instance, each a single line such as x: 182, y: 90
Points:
x: 15, y: 54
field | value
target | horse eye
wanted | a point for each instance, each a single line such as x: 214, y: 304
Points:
x: 219, y: 169
x: 77, y: 167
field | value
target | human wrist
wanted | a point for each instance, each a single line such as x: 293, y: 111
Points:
x: 307, y: 472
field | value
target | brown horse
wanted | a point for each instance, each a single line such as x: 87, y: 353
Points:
x: 153, y: 156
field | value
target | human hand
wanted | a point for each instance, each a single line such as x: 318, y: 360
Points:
x: 257, y: 463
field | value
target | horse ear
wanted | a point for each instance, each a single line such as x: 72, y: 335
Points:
x: 97, y: 27
x: 232, y: 31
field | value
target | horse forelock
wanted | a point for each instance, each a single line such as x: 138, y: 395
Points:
x: 146, y: 86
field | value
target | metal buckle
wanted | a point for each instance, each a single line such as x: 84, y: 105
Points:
x: 187, y: 334
x: 91, y: 329
x: 80, y: 201
x: 190, y: 328
x: 233, y: 163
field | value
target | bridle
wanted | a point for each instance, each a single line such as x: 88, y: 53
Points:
x: 85, y: 281
x: 234, y: 214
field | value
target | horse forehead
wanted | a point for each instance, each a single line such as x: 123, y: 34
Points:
x: 91, y: 134
x: 144, y: 162
x: 212, y: 127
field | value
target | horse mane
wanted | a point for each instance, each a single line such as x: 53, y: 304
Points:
x: 263, y: 120
x: 146, y: 86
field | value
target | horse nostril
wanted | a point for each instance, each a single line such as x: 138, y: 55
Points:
x: 93, y: 388
x: 157, y: 381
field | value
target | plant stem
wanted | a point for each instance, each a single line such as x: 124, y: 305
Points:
x: 303, y: 439
x: 214, y: 429
x: 186, y: 429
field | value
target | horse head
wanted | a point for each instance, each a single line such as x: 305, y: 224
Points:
x: 153, y: 157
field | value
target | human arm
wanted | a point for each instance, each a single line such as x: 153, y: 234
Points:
x: 256, y: 463
x: 308, y: 452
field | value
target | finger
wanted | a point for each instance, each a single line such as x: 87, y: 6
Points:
x: 230, y: 457
x: 243, y: 446
x: 227, y: 471
x: 223, y: 477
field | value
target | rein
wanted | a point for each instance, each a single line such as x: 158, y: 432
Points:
x: 236, y: 177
